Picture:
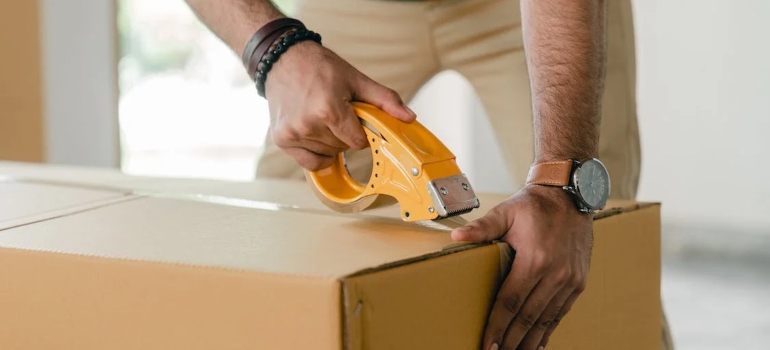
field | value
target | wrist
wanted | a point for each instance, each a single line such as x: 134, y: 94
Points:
x: 554, y: 200
x: 263, y: 40
x: 281, y: 45
x: 587, y: 181
x: 547, y: 155
x: 247, y: 29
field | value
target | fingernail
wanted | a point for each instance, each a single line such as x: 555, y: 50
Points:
x: 541, y: 348
x: 410, y: 111
x: 493, y: 347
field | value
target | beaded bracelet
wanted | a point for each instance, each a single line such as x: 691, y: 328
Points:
x: 279, y: 47
x: 257, y: 45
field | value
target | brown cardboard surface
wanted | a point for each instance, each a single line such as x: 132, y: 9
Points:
x: 439, y: 303
x: 21, y: 93
x: 446, y: 298
x: 176, y: 271
x: 62, y: 301
x: 286, y: 193
x: 21, y: 202
x: 193, y: 233
x: 70, y: 175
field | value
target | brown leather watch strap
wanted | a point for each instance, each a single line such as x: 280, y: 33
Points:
x: 550, y: 173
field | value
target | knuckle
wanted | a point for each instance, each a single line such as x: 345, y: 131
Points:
x: 281, y: 139
x: 328, y: 116
x: 392, y: 94
x: 302, y: 130
x: 525, y: 320
x: 579, y: 282
x: 544, y: 323
x: 283, y: 135
x: 551, y: 319
x: 555, y: 313
x: 512, y: 304
x: 564, y: 275
x: 541, y: 262
x: 363, y: 142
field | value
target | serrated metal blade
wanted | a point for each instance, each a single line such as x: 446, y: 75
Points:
x: 371, y: 127
x: 449, y: 223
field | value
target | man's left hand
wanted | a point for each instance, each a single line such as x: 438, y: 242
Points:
x: 553, y: 242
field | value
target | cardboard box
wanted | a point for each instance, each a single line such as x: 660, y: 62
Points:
x: 271, y: 268
x: 22, y: 95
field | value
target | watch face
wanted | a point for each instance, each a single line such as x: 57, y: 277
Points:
x: 592, y: 183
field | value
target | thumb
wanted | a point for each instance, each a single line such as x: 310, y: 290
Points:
x: 489, y: 227
x: 369, y: 91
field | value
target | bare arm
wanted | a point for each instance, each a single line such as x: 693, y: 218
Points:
x: 235, y: 21
x: 309, y: 89
x: 564, y: 41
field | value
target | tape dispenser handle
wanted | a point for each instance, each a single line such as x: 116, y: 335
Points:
x: 335, y: 182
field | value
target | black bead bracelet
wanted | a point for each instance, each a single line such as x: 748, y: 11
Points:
x: 276, y: 50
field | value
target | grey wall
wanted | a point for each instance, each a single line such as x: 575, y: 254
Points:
x: 80, y: 80
x: 704, y: 98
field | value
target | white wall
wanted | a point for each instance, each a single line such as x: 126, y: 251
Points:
x: 704, y: 113
x: 704, y: 101
x: 80, y: 80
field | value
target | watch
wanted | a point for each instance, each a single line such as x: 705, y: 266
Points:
x: 588, y: 181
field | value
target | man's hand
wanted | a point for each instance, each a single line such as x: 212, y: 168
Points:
x: 309, y: 91
x: 553, y: 244
x: 564, y: 42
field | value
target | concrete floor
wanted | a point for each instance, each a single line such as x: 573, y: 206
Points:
x: 717, y: 304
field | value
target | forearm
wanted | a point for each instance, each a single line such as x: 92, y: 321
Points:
x: 565, y: 45
x: 234, y: 21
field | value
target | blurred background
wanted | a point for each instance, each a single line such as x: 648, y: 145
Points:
x: 142, y: 85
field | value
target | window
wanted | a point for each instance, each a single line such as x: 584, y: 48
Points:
x: 186, y: 108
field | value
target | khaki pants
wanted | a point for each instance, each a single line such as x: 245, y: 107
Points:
x: 403, y: 44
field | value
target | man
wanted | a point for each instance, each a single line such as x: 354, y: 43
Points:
x: 564, y: 68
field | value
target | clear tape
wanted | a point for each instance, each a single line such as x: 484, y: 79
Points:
x: 446, y: 224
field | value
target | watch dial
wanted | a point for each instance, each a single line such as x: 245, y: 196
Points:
x: 593, y: 183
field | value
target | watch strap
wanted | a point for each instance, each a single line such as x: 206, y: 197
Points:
x: 555, y: 173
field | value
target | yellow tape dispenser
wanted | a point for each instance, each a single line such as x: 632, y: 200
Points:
x: 409, y: 165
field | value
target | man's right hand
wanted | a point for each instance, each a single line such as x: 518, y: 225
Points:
x: 309, y: 92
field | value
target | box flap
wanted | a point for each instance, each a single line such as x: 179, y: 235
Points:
x: 323, y: 245
x: 271, y: 226
x: 188, y: 232
x: 22, y: 203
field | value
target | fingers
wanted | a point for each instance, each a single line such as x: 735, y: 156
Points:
x: 489, y: 227
x: 510, y: 302
x: 555, y: 322
x: 526, y: 319
x: 345, y: 126
x: 548, y: 319
x: 369, y: 91
x: 310, y: 160
x: 308, y: 153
